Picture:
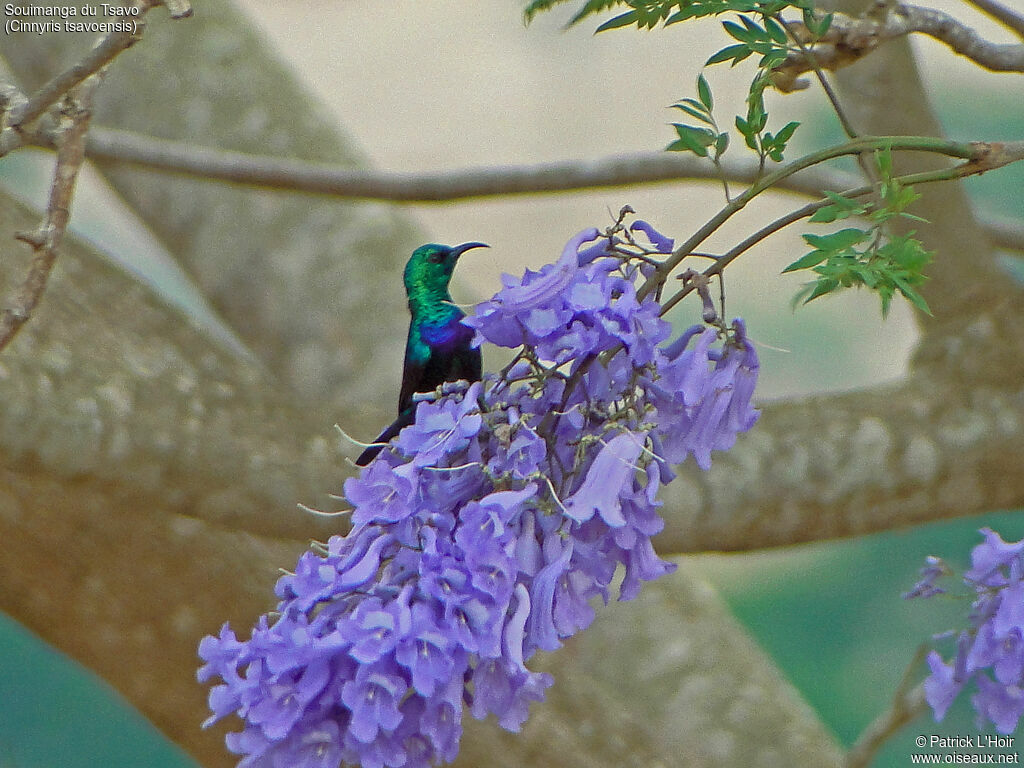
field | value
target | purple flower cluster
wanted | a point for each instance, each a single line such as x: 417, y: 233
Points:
x: 991, y: 650
x: 484, y: 531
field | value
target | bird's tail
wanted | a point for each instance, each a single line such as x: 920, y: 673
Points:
x: 405, y: 418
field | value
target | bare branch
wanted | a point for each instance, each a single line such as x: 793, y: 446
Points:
x: 102, y: 54
x: 907, y: 703
x: 110, y: 145
x: 70, y: 156
x: 24, y: 111
x: 848, y: 40
x: 1002, y: 14
x: 11, y: 99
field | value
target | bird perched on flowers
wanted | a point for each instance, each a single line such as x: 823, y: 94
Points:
x: 439, y: 347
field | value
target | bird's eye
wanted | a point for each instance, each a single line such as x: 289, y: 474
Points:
x: 436, y: 257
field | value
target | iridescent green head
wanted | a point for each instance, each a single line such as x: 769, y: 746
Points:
x: 430, y: 268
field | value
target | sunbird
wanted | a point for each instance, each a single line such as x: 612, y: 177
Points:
x: 438, y: 348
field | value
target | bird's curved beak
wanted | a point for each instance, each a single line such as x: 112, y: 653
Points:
x: 458, y: 250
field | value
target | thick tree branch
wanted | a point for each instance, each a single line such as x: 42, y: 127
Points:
x: 46, y: 239
x: 115, y: 146
x: 848, y: 40
x: 1005, y: 16
x: 844, y: 465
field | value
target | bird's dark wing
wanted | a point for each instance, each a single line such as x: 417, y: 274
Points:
x: 417, y: 357
x: 426, y: 368
x: 413, y: 381
x: 405, y: 418
x: 467, y: 364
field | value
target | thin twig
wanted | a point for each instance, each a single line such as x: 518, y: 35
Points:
x: 826, y: 86
x: 864, y: 160
x: 977, y: 154
x: 987, y: 159
x: 907, y: 703
x: 45, y: 240
x: 101, y: 54
x: 848, y: 40
x: 1008, y: 18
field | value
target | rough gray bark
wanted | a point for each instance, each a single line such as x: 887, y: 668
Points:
x: 150, y: 477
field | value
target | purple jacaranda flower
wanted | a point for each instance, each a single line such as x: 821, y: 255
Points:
x: 998, y: 703
x: 933, y: 569
x: 661, y: 243
x: 990, y: 650
x: 989, y: 559
x: 441, y: 428
x: 383, y: 491
x: 541, y: 288
x: 425, y: 650
x: 605, y: 480
x: 942, y: 687
x: 372, y: 697
x: 490, y: 526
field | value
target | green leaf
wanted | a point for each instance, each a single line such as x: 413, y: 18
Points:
x: 622, y: 20
x: 822, y: 287
x: 886, y: 296
x: 786, y: 132
x: 841, y: 208
x: 734, y: 53
x: 704, y: 93
x: 845, y: 202
x: 721, y: 144
x: 827, y: 214
x: 694, y: 113
x: 883, y: 158
x: 912, y: 296
x: 748, y: 132
x: 536, y: 6
x: 775, y: 30
x: 772, y: 59
x: 837, y: 241
x: 742, y: 34
x: 822, y: 27
x: 754, y: 28
x: 817, y: 27
x: 590, y: 8
x: 812, y: 259
x: 692, y: 139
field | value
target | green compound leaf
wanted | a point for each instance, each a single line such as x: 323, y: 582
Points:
x: 692, y: 139
x: 837, y: 241
x: 775, y: 31
x: 704, y: 93
x: 623, y: 20
x: 697, y: 112
x: 590, y: 8
x: 733, y: 53
x: 841, y: 208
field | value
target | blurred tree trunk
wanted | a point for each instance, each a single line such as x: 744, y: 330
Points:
x: 150, y: 476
